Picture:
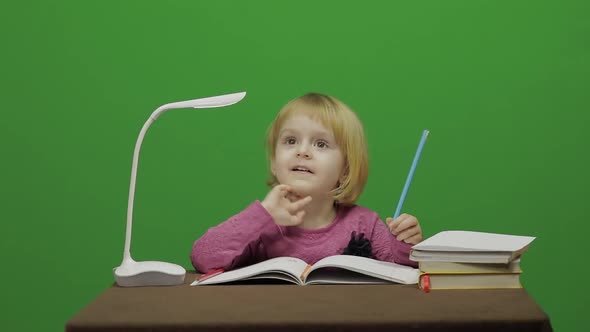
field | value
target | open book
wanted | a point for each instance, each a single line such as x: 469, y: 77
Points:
x: 470, y: 247
x: 339, y: 269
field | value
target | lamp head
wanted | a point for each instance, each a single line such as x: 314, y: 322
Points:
x: 208, y: 102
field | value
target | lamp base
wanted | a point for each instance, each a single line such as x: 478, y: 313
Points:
x: 148, y: 273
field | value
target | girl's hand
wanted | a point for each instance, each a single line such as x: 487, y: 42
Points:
x: 285, y: 206
x: 405, y: 228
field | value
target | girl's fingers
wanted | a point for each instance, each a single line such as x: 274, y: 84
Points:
x: 394, y: 223
x: 389, y: 222
x: 404, y: 223
x: 299, y: 204
x: 298, y: 218
x: 282, y: 188
x: 414, y: 239
x: 409, y: 233
x: 277, y: 192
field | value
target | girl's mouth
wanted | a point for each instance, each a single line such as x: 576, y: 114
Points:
x: 301, y: 169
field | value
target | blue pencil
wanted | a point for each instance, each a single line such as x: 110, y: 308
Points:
x: 411, y: 174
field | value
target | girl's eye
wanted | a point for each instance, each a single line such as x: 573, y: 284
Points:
x: 321, y: 144
x: 290, y: 140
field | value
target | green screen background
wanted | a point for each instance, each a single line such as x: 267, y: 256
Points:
x: 501, y: 85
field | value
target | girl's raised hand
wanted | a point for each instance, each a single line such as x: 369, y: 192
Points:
x: 405, y: 228
x: 285, y: 206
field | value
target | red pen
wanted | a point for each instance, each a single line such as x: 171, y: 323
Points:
x: 210, y: 274
x: 426, y: 283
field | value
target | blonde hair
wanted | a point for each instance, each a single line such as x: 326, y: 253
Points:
x: 348, y: 132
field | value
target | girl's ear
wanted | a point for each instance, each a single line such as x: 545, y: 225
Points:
x: 272, y: 168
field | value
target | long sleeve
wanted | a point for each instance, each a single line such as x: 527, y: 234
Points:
x: 233, y: 243
x: 386, y: 246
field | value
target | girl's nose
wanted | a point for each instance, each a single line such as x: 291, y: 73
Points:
x: 303, y: 151
x: 303, y: 154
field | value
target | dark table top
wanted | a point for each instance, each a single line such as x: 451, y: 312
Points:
x: 271, y: 307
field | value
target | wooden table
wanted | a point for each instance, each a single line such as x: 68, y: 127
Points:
x: 358, y: 308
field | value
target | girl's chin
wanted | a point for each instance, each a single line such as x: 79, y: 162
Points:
x: 301, y: 191
x: 304, y: 191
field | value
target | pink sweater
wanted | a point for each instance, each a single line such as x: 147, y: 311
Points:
x: 252, y: 236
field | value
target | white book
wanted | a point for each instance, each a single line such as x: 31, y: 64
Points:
x: 470, y: 247
x: 469, y: 268
x: 470, y: 281
x: 338, y: 269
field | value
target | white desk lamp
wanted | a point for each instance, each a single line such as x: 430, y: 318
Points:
x: 153, y: 273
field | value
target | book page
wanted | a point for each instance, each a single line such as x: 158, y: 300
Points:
x: 473, y: 241
x: 337, y: 276
x: 384, y: 270
x: 288, y: 266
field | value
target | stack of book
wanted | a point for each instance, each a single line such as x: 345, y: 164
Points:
x: 470, y: 260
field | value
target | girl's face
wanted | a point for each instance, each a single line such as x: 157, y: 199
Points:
x: 307, y: 157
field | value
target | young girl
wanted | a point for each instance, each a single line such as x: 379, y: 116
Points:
x: 319, y: 166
